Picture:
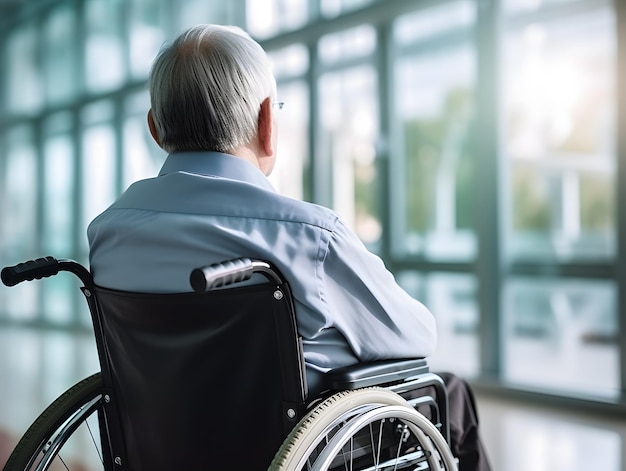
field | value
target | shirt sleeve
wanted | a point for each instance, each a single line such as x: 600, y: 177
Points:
x: 378, y: 319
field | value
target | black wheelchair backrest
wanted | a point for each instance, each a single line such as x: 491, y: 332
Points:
x: 200, y: 378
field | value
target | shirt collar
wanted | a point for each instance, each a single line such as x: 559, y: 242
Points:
x: 215, y: 164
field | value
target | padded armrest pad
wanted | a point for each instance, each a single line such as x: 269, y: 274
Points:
x: 362, y: 375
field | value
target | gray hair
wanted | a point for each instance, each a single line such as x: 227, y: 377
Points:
x: 206, y: 89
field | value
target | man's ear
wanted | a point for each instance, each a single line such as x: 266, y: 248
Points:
x: 153, y: 128
x: 266, y: 127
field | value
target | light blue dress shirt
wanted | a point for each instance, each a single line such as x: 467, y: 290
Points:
x: 206, y: 207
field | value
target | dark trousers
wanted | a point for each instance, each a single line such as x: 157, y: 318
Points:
x: 465, y: 441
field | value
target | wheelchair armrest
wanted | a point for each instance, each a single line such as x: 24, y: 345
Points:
x: 377, y: 373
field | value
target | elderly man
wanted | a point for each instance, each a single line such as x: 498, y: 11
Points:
x: 213, y: 98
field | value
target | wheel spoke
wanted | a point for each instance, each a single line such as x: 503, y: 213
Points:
x: 95, y: 443
x: 380, y: 440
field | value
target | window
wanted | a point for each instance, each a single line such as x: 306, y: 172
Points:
x: 448, y: 18
x: 146, y: 35
x: 452, y: 299
x: 525, y: 6
x: 559, y: 156
x: 559, y: 142
x: 99, y: 164
x: 349, y: 131
x: 293, y: 143
x: 58, y: 186
x: 19, y: 210
x: 349, y: 44
x: 333, y: 8
x: 290, y: 65
x: 24, y: 87
x: 142, y: 157
x: 267, y: 18
x: 349, y: 126
x: 433, y: 200
x: 290, y: 61
x: 555, y: 329
x: 104, y: 52
x: 60, y: 67
x: 193, y: 12
x: 390, y: 120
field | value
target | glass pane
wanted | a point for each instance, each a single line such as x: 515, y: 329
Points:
x: 355, y: 42
x: 289, y: 61
x: 523, y: 6
x: 267, y: 18
x: 24, y: 89
x: 20, y: 202
x: 436, y: 20
x: 60, y: 56
x: 546, y: 440
x: 559, y: 95
x: 192, y: 12
x: 36, y: 366
x: 557, y: 330
x: 97, y: 112
x: 99, y: 170
x: 21, y: 370
x: 104, y: 57
x: 142, y: 156
x: 332, y: 8
x: 349, y: 133
x: 57, y: 295
x: 59, y: 362
x: 146, y: 36
x: 433, y: 200
x: 141, y: 159
x: 293, y: 140
x: 452, y: 300
x: 19, y: 214
x: 58, y: 197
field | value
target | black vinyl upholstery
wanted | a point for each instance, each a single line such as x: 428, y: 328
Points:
x: 200, y: 380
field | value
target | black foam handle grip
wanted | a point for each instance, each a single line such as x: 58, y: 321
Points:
x: 27, y: 271
x: 221, y: 274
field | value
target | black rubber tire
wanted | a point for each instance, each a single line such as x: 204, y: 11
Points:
x: 50, y: 420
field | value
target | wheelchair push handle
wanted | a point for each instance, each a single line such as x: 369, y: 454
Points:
x: 43, y: 268
x: 27, y: 271
x: 229, y: 272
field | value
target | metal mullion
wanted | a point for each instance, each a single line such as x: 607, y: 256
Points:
x: 489, y: 269
x: 620, y: 275
x: 423, y: 264
x: 76, y: 137
x: 37, y: 134
x: 349, y: 63
x: 320, y: 160
x: 4, y: 57
x: 308, y: 183
x: 118, y: 130
x: 441, y: 42
x: 596, y: 270
x: 123, y: 17
x: 384, y: 54
x: 37, y: 128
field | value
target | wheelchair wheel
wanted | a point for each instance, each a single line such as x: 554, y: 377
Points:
x: 48, y: 442
x: 364, y: 429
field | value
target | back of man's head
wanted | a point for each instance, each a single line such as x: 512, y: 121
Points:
x: 206, y: 89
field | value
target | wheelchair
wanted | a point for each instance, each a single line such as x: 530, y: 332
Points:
x: 215, y: 379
